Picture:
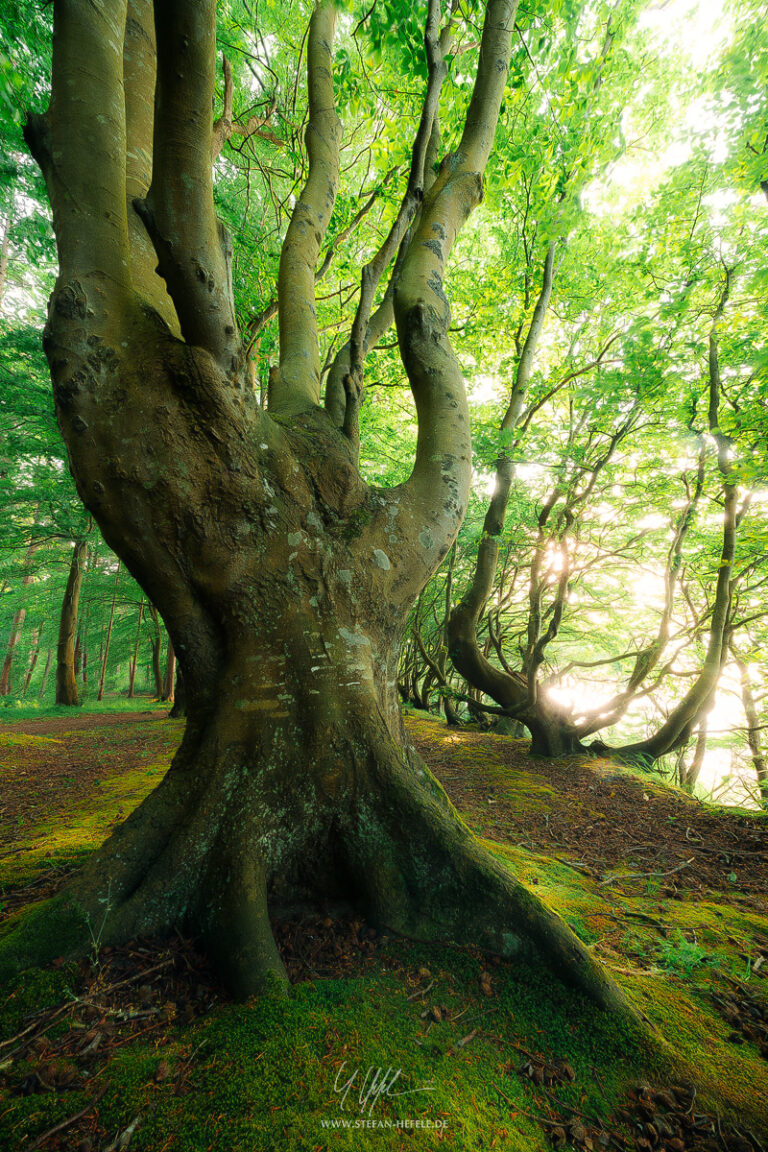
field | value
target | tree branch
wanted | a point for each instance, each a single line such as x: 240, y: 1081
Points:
x: 295, y: 385
x: 193, y: 249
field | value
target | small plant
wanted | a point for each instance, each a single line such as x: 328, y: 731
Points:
x: 682, y: 955
x: 97, y: 935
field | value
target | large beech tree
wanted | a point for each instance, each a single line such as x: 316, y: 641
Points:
x: 283, y: 577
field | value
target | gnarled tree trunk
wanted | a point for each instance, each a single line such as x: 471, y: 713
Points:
x: 286, y: 601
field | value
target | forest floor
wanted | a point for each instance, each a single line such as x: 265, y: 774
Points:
x: 140, y: 1048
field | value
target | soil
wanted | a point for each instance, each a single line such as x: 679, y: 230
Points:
x: 600, y: 816
x: 85, y: 749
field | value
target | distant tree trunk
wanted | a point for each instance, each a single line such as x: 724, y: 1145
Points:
x: 132, y: 665
x: 66, y: 683
x: 46, y: 670
x: 5, y: 250
x: 179, y: 695
x: 78, y: 660
x: 109, y: 634
x: 84, y: 666
x: 169, y: 678
x: 690, y: 775
x: 18, y: 622
x: 32, y: 660
x: 753, y: 728
x: 156, y: 640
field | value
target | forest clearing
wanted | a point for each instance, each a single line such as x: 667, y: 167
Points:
x: 672, y: 895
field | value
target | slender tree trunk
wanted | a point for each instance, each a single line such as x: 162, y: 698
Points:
x: 179, y: 708
x: 16, y: 626
x: 753, y: 728
x: 85, y: 645
x: 46, y: 670
x: 690, y: 774
x: 132, y: 665
x: 156, y: 642
x: 109, y: 634
x: 32, y: 660
x: 169, y: 676
x: 66, y: 681
x: 5, y: 250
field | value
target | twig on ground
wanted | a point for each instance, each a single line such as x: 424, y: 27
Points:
x: 69, y: 1121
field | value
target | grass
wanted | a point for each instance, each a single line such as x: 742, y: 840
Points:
x: 14, y: 711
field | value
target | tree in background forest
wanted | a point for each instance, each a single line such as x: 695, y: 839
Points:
x: 629, y: 440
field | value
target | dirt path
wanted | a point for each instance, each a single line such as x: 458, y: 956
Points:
x: 49, y: 767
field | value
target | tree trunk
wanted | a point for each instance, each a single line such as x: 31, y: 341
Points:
x: 179, y: 708
x: 753, y: 727
x: 156, y: 642
x: 286, y: 599
x: 108, y: 637
x: 66, y: 681
x: 32, y: 660
x: 689, y: 775
x: 296, y: 784
x: 134, y: 660
x: 46, y: 670
x: 18, y: 623
x: 169, y: 676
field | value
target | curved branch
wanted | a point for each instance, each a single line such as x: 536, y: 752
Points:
x: 295, y: 386
x: 83, y: 133
x: 193, y: 250
x: 438, y: 488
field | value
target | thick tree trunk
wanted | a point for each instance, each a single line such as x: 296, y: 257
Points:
x: 284, y: 579
x: 66, y: 680
x: 299, y: 787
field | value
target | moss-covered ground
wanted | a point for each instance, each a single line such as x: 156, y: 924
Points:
x: 470, y: 1054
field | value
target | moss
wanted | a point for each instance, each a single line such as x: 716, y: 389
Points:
x: 56, y: 928
x: 269, y: 1073
x: 86, y: 826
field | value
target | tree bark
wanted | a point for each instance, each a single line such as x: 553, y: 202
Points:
x: 66, y: 680
x: 17, y: 624
x: 156, y: 641
x: 32, y: 660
